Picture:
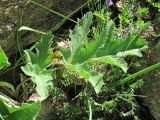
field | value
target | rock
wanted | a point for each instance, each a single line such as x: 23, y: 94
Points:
x: 14, y: 13
x: 151, y: 87
x: 49, y: 106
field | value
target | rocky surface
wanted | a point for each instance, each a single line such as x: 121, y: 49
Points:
x: 14, y: 13
x: 151, y: 87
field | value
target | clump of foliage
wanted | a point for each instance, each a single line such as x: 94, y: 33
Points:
x: 9, y: 109
x: 105, y: 48
x: 95, y: 60
x: 79, y: 59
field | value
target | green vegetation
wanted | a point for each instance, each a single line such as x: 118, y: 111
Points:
x: 9, y: 109
x: 95, y: 65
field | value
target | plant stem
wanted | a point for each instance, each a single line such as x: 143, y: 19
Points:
x: 67, y: 17
x: 50, y: 10
x: 124, y: 80
x: 90, y: 110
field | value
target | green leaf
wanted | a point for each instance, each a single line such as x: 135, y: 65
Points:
x: 108, y: 33
x: 89, y: 51
x: 30, y: 29
x: 43, y: 51
x: 10, y: 111
x: 66, y: 53
x: 3, y: 110
x: 42, y: 78
x: 121, y: 45
x: 79, y: 34
x: 43, y: 82
x: 133, y: 76
x: 132, y: 52
x: 1, y: 117
x: 79, y: 69
x: 105, y: 48
x: 3, y: 59
x: 31, y: 70
x: 92, y: 76
x: 112, y: 60
x: 8, y: 85
x: 96, y: 80
x: 25, y: 112
x: 37, y: 65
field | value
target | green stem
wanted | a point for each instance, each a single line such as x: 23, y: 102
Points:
x: 123, y: 81
x: 50, y: 10
x: 1, y: 118
x: 18, y: 40
x: 67, y: 17
x: 90, y: 110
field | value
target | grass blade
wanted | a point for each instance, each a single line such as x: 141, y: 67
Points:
x: 123, y: 81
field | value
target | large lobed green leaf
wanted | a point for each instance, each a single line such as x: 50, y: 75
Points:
x: 43, y: 51
x: 79, y: 34
x: 112, y: 60
x: 105, y: 45
x: 3, y: 59
x: 95, y: 78
x: 122, y: 45
x: 91, y: 49
x: 10, y: 111
x: 105, y: 48
x: 42, y: 78
x: 38, y: 62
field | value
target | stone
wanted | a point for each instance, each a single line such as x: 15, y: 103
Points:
x: 16, y: 13
x: 151, y: 87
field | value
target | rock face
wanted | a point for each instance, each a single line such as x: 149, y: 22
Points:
x: 15, y: 13
x: 151, y: 87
